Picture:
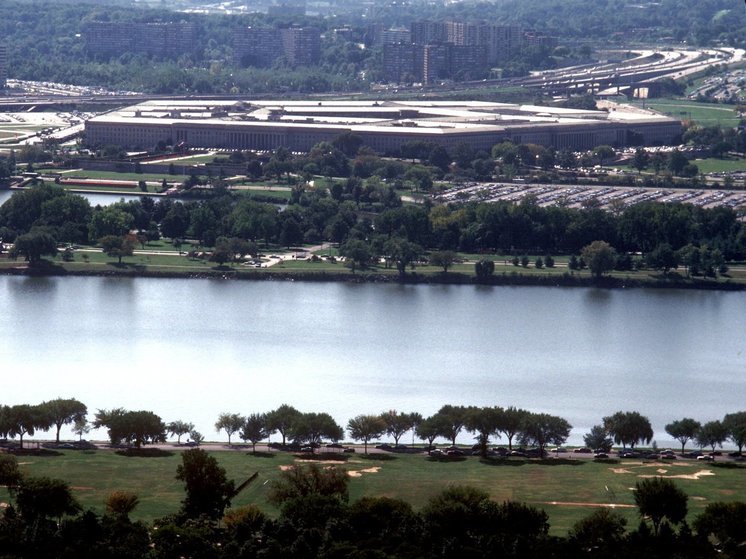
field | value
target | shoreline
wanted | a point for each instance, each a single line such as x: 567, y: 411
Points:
x: 451, y: 278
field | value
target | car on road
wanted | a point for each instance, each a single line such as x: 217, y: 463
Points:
x: 583, y: 450
x: 706, y: 458
x: 600, y: 455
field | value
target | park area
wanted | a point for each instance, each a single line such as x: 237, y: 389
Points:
x: 567, y: 489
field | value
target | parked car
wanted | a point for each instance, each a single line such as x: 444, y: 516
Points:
x: 455, y: 452
x: 706, y: 458
x: 583, y: 450
x: 600, y: 455
x: 334, y: 445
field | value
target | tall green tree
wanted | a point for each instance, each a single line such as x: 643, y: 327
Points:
x: 600, y: 257
x: 230, y: 423
x: 179, y: 428
x: 660, y: 499
x: 735, y: 425
x: 63, y: 411
x: 629, y: 428
x: 283, y: 420
x: 683, y: 430
x: 365, y: 428
x: 542, y: 429
x: 208, y: 489
x: 254, y: 429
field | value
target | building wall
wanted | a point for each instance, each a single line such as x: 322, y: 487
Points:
x: 259, y: 136
x: 256, y: 46
x: 3, y: 65
x: 169, y: 40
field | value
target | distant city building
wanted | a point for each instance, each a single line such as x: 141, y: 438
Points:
x: 256, y: 46
x: 3, y: 65
x: 302, y: 45
x: 384, y: 126
x: 396, y: 36
x: 295, y: 8
x: 407, y: 62
x: 261, y: 46
x: 533, y: 39
x: 167, y: 39
x: 399, y: 62
x: 500, y: 42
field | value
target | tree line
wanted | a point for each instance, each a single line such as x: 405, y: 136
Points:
x: 298, y: 429
x: 667, y: 235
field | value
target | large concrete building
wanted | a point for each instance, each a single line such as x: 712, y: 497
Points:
x: 260, y: 46
x: 168, y: 39
x: 3, y: 65
x: 384, y: 125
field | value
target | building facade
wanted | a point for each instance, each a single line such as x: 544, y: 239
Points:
x: 384, y: 126
x: 105, y: 39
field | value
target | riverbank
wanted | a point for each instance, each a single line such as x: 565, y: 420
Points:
x: 504, y: 278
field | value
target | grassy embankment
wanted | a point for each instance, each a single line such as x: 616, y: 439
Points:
x: 161, y: 258
x: 566, y: 490
x: 706, y: 114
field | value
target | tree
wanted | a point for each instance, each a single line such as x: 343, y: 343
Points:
x: 313, y: 427
x: 599, y: 533
x: 64, y: 411
x: 658, y: 499
x: 450, y: 421
x: 43, y: 497
x: 105, y: 418
x: 230, y: 423
x: 19, y: 420
x: 541, y: 429
x: 484, y: 422
x: 600, y: 257
x: 282, y: 420
x: 641, y: 159
x: 662, y: 257
x: 603, y: 153
x: 109, y: 221
x: 598, y: 438
x: 81, y: 427
x: 121, y: 503
x: 366, y: 427
x: 428, y: 430
x: 712, y: 433
x: 208, y: 490
x: 397, y: 424
x: 301, y: 480
x: 511, y: 422
x: 726, y: 524
x: 33, y: 245
x: 735, y: 425
x: 179, y: 428
x: 484, y: 268
x: 683, y: 430
x: 628, y: 428
x: 444, y: 259
x: 254, y: 429
x: 116, y: 246
x: 402, y: 253
x: 677, y: 161
x: 357, y: 253
x: 10, y: 474
x: 138, y: 427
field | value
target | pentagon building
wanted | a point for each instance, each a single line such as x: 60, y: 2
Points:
x: 384, y: 126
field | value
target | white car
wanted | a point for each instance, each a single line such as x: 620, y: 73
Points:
x: 706, y: 458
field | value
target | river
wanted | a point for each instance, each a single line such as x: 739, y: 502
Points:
x: 94, y: 198
x: 191, y: 349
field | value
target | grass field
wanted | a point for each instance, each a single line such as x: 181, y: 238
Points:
x: 107, y: 175
x: 161, y: 257
x: 715, y: 165
x: 707, y: 114
x: 566, y: 489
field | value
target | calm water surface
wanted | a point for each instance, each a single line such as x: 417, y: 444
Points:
x: 94, y: 199
x: 191, y: 349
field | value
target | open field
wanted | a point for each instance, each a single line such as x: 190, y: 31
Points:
x: 161, y: 257
x: 566, y: 489
x: 715, y: 165
x: 707, y: 114
x: 110, y: 175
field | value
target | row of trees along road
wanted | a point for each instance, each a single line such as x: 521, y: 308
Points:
x: 316, y: 519
x: 138, y: 428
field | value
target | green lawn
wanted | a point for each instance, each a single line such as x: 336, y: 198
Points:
x: 715, y: 165
x: 110, y: 175
x: 567, y: 490
x: 707, y: 114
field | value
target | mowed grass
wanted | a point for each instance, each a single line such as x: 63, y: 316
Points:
x: 706, y: 114
x: 567, y: 490
x: 714, y: 165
